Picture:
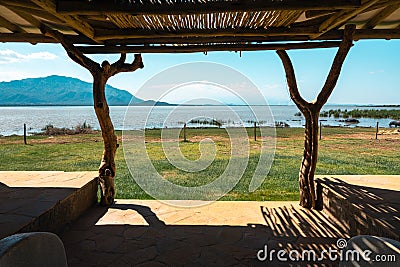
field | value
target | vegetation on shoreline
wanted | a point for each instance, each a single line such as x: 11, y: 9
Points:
x: 81, y: 128
x: 342, y: 151
x: 362, y: 113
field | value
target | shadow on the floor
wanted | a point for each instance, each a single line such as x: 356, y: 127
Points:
x: 158, y: 244
x: 20, y: 208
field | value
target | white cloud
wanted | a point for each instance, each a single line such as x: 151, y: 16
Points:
x: 376, y: 72
x: 9, y: 56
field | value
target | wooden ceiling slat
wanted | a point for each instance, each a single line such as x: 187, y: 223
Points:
x: 386, y: 12
x: 196, y: 7
x: 73, y: 21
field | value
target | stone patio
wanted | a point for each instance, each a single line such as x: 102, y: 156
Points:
x: 224, y: 233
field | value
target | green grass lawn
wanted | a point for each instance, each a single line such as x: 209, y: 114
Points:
x: 342, y: 151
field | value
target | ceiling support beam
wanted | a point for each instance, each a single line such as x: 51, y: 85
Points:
x: 76, y: 39
x: 79, y: 39
x: 197, y: 7
x: 204, y: 48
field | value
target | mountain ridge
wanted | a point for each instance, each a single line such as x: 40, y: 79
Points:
x: 58, y: 90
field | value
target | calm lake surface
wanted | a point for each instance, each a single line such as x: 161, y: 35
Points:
x: 12, y: 119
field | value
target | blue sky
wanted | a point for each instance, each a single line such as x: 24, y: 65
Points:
x: 370, y: 75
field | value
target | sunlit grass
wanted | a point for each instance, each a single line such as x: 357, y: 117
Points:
x: 342, y: 151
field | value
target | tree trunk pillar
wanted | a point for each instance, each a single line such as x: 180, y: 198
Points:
x: 107, y: 169
x: 101, y: 73
x: 311, y: 111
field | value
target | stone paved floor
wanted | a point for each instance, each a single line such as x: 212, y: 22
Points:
x: 26, y: 195
x: 225, y: 233
x: 150, y: 233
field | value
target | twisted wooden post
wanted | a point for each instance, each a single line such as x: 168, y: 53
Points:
x: 311, y: 111
x: 101, y: 73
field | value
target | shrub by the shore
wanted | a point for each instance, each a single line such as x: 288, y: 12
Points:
x: 81, y: 128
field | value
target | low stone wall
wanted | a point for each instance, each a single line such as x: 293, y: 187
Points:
x: 353, y: 218
x: 66, y: 210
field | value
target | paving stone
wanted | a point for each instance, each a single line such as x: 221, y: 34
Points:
x: 165, y: 245
x: 179, y: 256
x: 135, y: 232
x: 108, y: 243
x: 230, y: 235
x: 87, y: 245
x: 142, y: 255
x: 151, y: 264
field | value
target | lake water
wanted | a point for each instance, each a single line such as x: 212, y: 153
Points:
x: 12, y: 119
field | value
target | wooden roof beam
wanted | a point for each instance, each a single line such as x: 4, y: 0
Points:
x: 331, y: 35
x: 386, y: 12
x: 204, y: 48
x: 40, y: 38
x: 10, y: 26
x: 37, y: 13
x: 20, y: 3
x: 73, y: 21
x: 341, y: 18
x: 80, y: 39
x: 144, y: 33
x: 196, y: 7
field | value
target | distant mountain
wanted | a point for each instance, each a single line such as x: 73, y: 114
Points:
x: 58, y: 91
x: 153, y: 103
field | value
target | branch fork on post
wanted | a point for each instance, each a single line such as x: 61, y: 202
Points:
x: 101, y: 73
x: 311, y: 111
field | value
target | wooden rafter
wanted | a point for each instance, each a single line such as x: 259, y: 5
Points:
x: 198, y: 7
x: 20, y: 3
x: 38, y: 13
x: 204, y: 48
x: 27, y: 17
x: 340, y: 18
x: 10, y: 26
x: 73, y: 21
x: 387, y: 11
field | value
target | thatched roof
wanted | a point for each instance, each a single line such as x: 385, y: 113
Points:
x: 196, y: 25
